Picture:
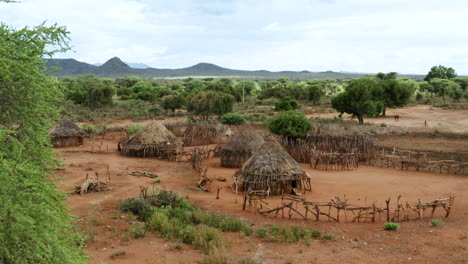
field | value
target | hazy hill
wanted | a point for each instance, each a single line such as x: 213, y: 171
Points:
x: 117, y: 68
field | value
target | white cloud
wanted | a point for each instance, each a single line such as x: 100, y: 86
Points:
x: 275, y: 26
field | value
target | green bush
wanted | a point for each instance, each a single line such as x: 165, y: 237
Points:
x: 256, y: 118
x: 316, y: 234
x: 286, y: 104
x: 435, y: 223
x: 290, y: 124
x: 90, y: 129
x: 262, y: 233
x: 157, y: 222
x: 391, y: 226
x: 188, y: 234
x: 135, y: 128
x: 232, y: 119
x: 138, y: 230
x: 137, y: 206
x: 328, y: 236
x: 206, y: 238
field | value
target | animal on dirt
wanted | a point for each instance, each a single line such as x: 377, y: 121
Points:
x: 397, y: 118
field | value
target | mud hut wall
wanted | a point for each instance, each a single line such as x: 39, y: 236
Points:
x: 59, y: 142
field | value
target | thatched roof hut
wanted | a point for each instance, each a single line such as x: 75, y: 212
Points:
x: 240, y: 148
x: 203, y: 133
x: 272, y: 169
x: 152, y: 141
x: 67, y: 134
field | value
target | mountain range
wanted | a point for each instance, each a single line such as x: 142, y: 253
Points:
x: 115, y: 67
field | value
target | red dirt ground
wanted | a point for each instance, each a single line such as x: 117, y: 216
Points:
x: 415, y: 242
x: 413, y: 117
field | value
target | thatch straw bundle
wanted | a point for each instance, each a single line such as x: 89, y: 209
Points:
x: 203, y: 133
x: 240, y: 148
x: 272, y: 168
x: 67, y: 134
x: 152, y: 141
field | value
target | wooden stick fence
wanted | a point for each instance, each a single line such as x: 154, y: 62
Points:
x: 406, y: 159
x: 339, y: 210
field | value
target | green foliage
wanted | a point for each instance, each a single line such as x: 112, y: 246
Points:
x: 440, y: 72
x: 444, y: 88
x: 137, y: 206
x: 133, y: 129
x: 217, y: 255
x: 286, y: 104
x: 88, y: 90
x: 315, y: 93
x: 435, y: 223
x: 205, y: 104
x: 90, y: 129
x: 138, y: 230
x: 362, y: 97
x: 206, y: 238
x: 316, y: 234
x: 328, y: 236
x: 172, y: 102
x: 256, y: 118
x: 397, y: 93
x: 290, y: 124
x: 34, y: 221
x: 391, y: 226
x: 232, y: 119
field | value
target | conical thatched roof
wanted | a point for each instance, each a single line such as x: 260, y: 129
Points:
x: 240, y: 148
x: 272, y: 168
x: 155, y: 140
x: 66, y: 128
x: 153, y: 134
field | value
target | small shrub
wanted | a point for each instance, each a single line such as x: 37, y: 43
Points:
x: 391, y: 226
x: 90, y: 129
x: 139, y: 230
x: 137, y: 206
x: 316, y: 234
x: 157, y: 181
x: 435, y: 223
x: 232, y: 119
x: 262, y: 233
x: 207, y: 238
x: 188, y: 234
x: 231, y: 224
x: 217, y: 255
x: 134, y: 129
x: 96, y: 221
x: 286, y: 104
x: 256, y: 118
x: 157, y: 222
x: 328, y: 236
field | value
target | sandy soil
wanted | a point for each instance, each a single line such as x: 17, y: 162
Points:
x: 413, y: 117
x: 415, y: 242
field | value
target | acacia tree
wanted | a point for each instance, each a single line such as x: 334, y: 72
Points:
x: 440, y: 72
x: 362, y: 97
x: 205, y: 104
x: 34, y: 222
x: 396, y: 92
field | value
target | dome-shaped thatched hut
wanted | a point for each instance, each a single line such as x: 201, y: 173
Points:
x: 67, y: 134
x: 272, y: 169
x: 240, y: 148
x: 152, y: 141
x: 203, y: 133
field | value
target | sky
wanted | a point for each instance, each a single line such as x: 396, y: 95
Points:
x: 405, y: 36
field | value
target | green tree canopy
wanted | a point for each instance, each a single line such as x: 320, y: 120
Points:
x: 34, y: 221
x: 286, y: 104
x: 362, y: 97
x: 172, y: 102
x: 205, y: 104
x: 440, y: 72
